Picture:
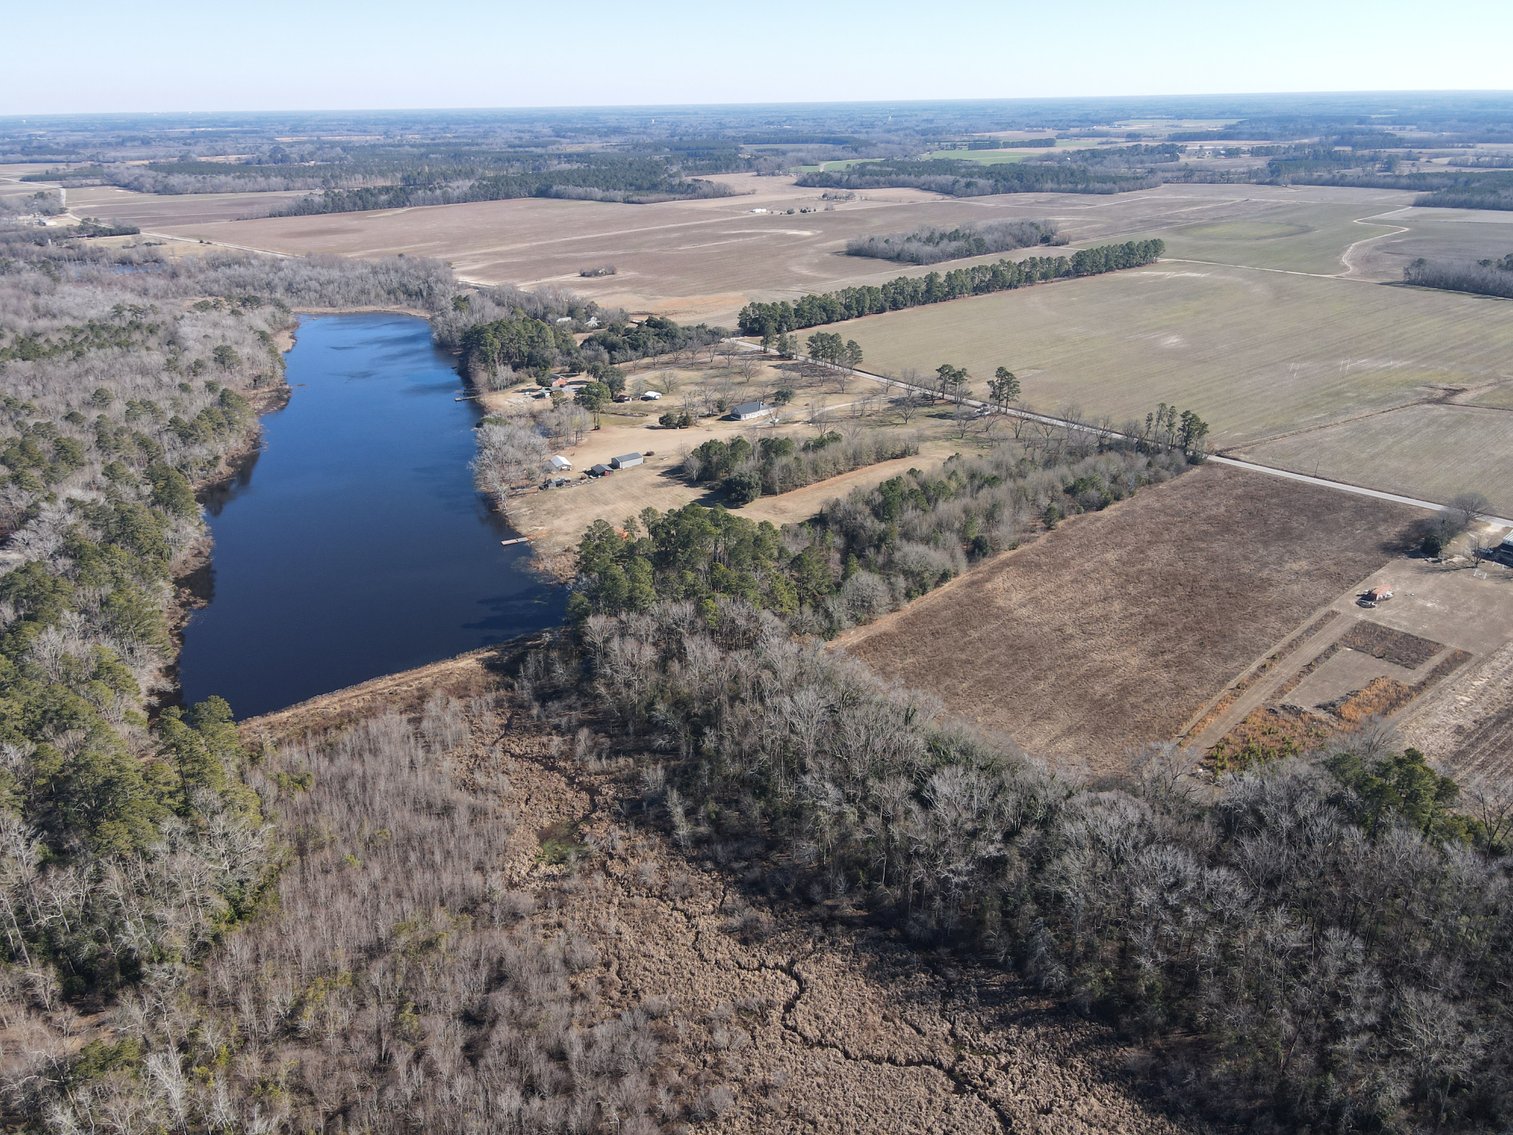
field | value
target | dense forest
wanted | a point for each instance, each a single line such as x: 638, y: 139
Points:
x: 769, y: 320
x: 388, y: 983
x: 496, y: 351
x: 931, y: 245
x: 131, y: 838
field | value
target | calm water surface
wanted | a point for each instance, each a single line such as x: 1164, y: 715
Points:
x: 355, y: 545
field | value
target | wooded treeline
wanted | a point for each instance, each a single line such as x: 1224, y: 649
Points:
x: 355, y: 175
x: 768, y: 320
x: 1322, y: 947
x: 495, y: 351
x: 1482, y: 277
x: 870, y: 552
x: 601, y: 177
x: 931, y: 245
x: 962, y: 177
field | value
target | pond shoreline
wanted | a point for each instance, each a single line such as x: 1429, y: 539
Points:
x: 350, y: 536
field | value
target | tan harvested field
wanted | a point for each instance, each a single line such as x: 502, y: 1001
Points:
x: 1114, y: 630
x: 150, y: 211
x: 702, y: 260
x: 796, y: 1021
x: 1260, y: 355
x: 1430, y: 452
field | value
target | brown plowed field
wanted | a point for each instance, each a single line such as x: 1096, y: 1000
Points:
x: 1467, y: 725
x: 1116, y: 628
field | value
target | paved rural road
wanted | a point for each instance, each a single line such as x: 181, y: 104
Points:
x: 1250, y: 466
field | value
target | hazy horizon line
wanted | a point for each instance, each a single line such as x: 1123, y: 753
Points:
x: 631, y: 106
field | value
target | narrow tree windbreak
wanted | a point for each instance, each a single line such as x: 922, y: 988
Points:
x: 769, y: 320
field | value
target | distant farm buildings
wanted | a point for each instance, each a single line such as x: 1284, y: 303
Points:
x: 560, y: 464
x: 1503, y: 553
x: 651, y: 395
x: 748, y: 410
x: 626, y: 461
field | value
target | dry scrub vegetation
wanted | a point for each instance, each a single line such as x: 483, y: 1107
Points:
x: 472, y: 934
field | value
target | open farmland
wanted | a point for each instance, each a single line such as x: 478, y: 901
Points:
x: 1431, y: 452
x: 703, y: 260
x: 1288, y: 233
x: 153, y: 210
x: 1111, y: 631
x: 1458, y: 235
x: 1258, y: 354
x: 1465, y: 724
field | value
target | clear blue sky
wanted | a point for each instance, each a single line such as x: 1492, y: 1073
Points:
x: 174, y: 55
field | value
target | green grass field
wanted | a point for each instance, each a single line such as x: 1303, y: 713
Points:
x: 830, y: 167
x: 1257, y: 354
x: 1008, y: 152
x: 986, y: 157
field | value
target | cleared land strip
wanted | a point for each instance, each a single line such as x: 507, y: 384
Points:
x: 1350, y: 272
x: 1341, y: 486
x: 1258, y: 268
x: 1260, y: 682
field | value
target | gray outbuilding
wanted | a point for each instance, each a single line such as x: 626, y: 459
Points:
x: 748, y: 410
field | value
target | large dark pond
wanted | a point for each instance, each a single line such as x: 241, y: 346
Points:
x: 355, y: 544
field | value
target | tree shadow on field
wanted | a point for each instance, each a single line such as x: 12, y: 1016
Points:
x: 1408, y: 540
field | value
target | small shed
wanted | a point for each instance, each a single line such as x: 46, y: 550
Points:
x: 748, y: 410
x: 651, y: 395
x: 559, y: 463
x: 600, y: 470
x: 626, y: 461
